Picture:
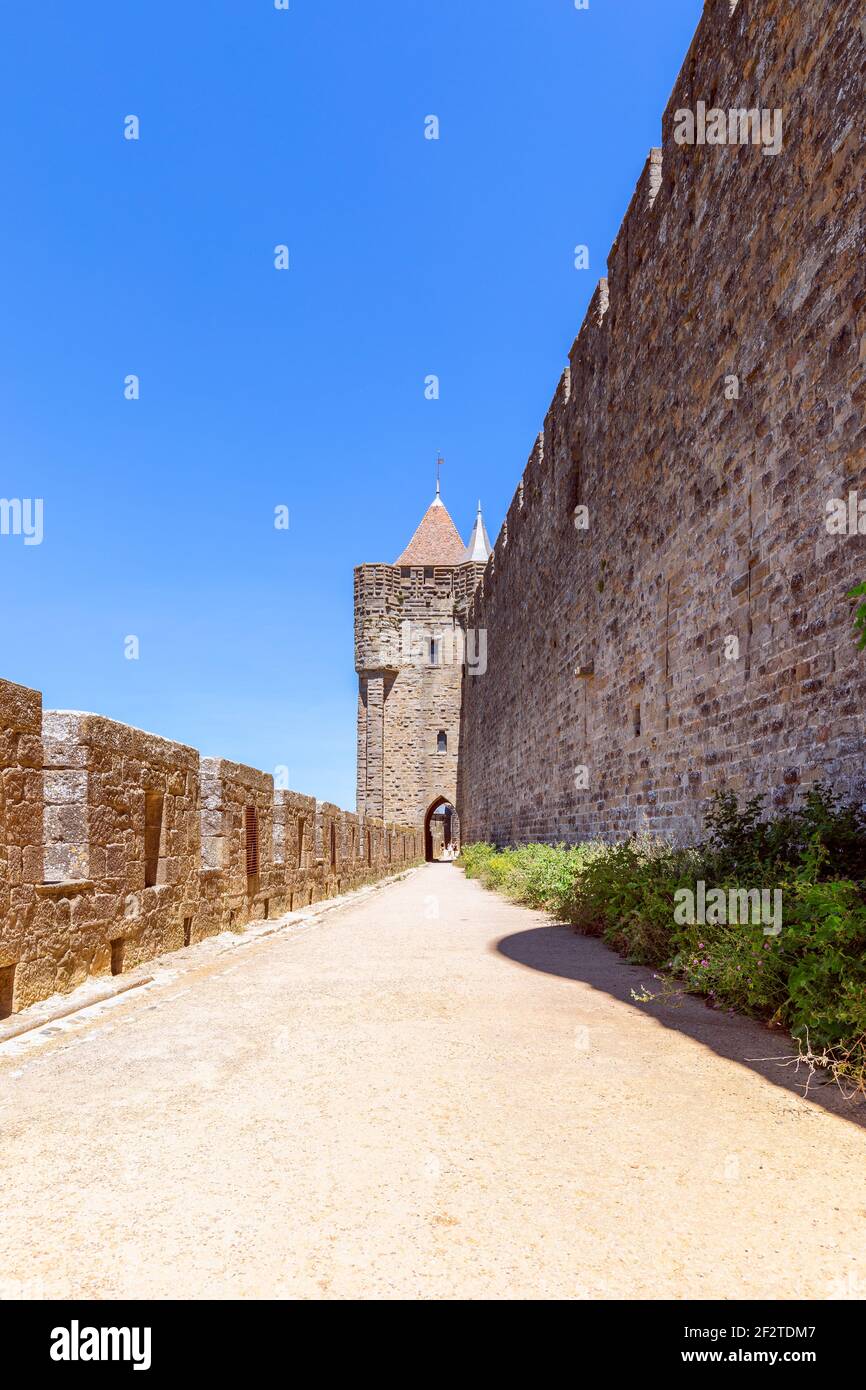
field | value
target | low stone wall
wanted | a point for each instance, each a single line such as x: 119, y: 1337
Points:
x: 117, y: 845
x: 294, y: 847
x: 121, y: 849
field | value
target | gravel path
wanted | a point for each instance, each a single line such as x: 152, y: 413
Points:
x: 430, y: 1094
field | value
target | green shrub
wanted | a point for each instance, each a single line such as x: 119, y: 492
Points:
x: 540, y: 876
x: 741, y: 840
x: 859, y: 591
x: 473, y: 858
x: 810, y: 977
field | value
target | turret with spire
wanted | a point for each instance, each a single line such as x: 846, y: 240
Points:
x: 436, y: 540
x: 409, y: 643
x: 479, y: 547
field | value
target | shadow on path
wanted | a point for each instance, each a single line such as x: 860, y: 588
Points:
x: 559, y: 950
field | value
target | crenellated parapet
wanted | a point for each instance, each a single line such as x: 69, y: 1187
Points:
x: 117, y: 845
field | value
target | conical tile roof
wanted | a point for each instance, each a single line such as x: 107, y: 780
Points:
x: 436, y: 541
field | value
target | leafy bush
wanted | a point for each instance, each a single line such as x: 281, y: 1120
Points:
x: 474, y: 857
x: 859, y: 591
x: 811, y: 977
x: 626, y: 895
x: 539, y: 876
x: 741, y: 839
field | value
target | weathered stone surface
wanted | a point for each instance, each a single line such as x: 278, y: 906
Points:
x: 20, y: 828
x: 406, y: 700
x: 707, y: 514
x: 127, y: 845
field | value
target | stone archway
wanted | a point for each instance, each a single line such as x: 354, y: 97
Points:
x: 435, y: 837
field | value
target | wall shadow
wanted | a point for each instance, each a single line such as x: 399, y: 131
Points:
x: 559, y: 950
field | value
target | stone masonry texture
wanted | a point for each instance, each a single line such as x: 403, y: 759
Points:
x: 117, y: 845
x: 20, y: 832
x: 610, y: 703
x: 409, y: 695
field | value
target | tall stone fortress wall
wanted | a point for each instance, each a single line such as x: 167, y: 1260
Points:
x: 614, y: 699
x: 117, y: 845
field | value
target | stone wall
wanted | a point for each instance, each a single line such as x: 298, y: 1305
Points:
x: 237, y: 814
x: 20, y: 838
x: 121, y: 829
x: 294, y: 847
x: 697, y: 632
x: 117, y: 845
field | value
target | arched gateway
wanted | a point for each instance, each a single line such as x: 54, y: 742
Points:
x: 441, y: 828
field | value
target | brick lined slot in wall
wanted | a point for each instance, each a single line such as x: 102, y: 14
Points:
x: 7, y: 989
x: 187, y: 930
x: 251, y: 833
x: 252, y: 840
x: 118, y: 951
x: 153, y: 802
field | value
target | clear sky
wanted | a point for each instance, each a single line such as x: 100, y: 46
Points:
x: 303, y: 388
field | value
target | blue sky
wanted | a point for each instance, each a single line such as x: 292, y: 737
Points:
x: 305, y: 387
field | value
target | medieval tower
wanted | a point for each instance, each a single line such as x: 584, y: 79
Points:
x: 410, y: 654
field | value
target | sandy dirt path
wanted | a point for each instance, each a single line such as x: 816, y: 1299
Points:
x: 430, y: 1094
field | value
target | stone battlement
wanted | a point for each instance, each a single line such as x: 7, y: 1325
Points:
x: 117, y: 845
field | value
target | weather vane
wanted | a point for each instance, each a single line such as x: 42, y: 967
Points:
x: 439, y: 462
